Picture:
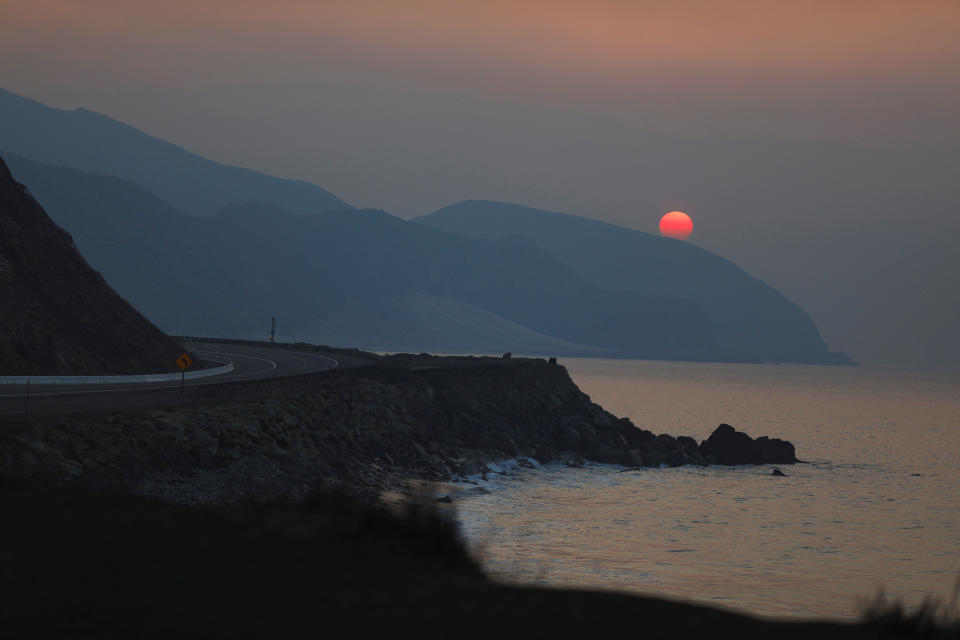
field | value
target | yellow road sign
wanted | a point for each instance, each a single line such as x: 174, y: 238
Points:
x: 184, y: 361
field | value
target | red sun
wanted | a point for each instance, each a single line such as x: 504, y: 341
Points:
x: 676, y: 224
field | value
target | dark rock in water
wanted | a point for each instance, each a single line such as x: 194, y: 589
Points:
x: 569, y: 438
x: 728, y: 446
x: 446, y: 499
x: 609, y: 454
x: 775, y: 450
x: 676, y: 459
x: 777, y: 472
x: 636, y: 459
x: 688, y: 445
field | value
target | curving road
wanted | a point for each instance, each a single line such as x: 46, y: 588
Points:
x: 250, y: 363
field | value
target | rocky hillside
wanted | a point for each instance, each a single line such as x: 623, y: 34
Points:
x: 57, y: 315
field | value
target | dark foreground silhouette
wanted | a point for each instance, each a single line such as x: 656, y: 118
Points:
x: 80, y: 564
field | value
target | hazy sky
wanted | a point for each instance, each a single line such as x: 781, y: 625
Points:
x: 817, y: 144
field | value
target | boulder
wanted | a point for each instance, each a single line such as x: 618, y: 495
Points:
x: 637, y: 459
x: 610, y: 455
x: 569, y: 438
x: 774, y: 450
x: 729, y: 447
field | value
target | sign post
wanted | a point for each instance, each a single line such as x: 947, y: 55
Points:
x: 184, y: 363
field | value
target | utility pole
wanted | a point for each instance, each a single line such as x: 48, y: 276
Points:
x: 273, y: 329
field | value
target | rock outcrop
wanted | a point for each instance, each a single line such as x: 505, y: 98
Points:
x: 57, y: 315
x: 728, y: 446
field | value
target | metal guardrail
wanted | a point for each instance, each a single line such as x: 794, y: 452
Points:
x: 227, y: 367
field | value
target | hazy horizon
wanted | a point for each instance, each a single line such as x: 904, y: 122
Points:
x: 816, y: 146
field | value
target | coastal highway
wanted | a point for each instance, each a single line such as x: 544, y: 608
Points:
x: 250, y: 362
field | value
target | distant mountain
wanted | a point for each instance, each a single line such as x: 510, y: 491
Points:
x: 57, y: 315
x: 88, y: 141
x: 362, y: 278
x: 751, y: 320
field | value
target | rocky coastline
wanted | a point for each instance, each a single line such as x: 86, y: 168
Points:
x: 363, y: 431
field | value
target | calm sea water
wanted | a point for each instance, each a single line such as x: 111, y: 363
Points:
x: 877, y: 507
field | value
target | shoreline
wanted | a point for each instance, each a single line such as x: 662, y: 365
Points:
x: 362, y: 430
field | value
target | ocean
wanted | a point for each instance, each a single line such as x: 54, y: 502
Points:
x: 875, y: 508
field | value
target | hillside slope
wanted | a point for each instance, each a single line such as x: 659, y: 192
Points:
x: 88, y: 141
x: 362, y: 278
x: 58, y: 316
x: 752, y: 321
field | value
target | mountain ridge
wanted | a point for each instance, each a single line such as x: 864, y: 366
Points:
x: 86, y: 140
x: 360, y: 277
x: 754, y: 321
x: 550, y: 278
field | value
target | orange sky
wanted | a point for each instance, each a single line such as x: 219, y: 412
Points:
x: 556, y: 45
x: 770, y: 67
x: 875, y: 73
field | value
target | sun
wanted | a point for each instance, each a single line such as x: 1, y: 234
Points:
x: 676, y: 224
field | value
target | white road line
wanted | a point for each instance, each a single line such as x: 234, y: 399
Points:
x: 303, y: 353
x: 290, y: 351
x: 273, y: 365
